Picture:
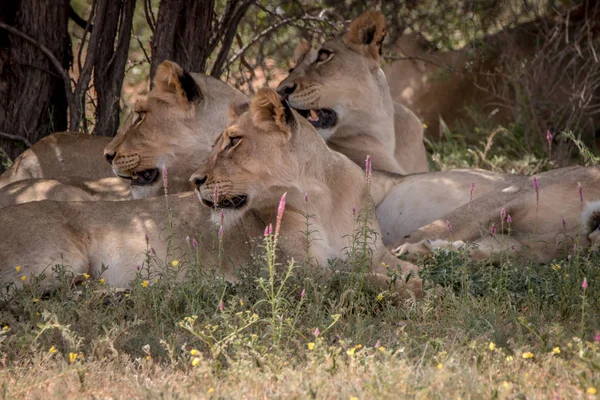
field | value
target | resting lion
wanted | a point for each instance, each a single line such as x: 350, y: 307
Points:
x: 562, y: 211
x: 342, y: 90
x: 172, y: 127
x: 268, y: 151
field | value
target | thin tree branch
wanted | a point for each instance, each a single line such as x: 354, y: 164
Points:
x: 16, y: 138
x: 77, y: 19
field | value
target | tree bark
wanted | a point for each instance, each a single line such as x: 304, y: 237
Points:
x: 182, y: 34
x: 109, y: 69
x: 33, y: 101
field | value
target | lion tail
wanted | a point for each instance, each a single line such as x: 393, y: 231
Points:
x: 590, y: 218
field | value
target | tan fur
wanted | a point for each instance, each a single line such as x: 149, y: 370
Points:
x: 352, y: 83
x: 58, y: 155
x: 174, y: 133
x: 267, y: 161
x: 540, y: 223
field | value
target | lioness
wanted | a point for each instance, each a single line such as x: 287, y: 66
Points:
x: 58, y: 155
x: 344, y: 93
x: 547, y: 210
x: 172, y: 128
x: 268, y: 151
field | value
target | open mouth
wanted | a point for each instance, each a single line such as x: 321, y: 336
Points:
x: 321, y: 118
x: 145, y: 177
x: 228, y: 203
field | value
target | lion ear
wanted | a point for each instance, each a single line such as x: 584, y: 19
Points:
x: 268, y: 112
x: 171, y: 79
x: 366, y: 34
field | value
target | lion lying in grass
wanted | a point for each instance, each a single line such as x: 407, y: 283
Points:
x: 343, y: 92
x: 548, y: 216
x: 172, y: 128
x: 268, y: 151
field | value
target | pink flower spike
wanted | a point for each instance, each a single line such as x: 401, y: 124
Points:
x: 194, y: 243
x: 503, y: 214
x: 266, y: 230
x: 306, y: 197
x: 584, y: 284
x: 580, y: 190
x: 597, y: 337
x: 164, y: 172
x: 449, y: 226
x: 137, y: 267
x: 368, y: 169
x: 564, y: 222
x: 221, y: 307
x: 302, y: 294
x: 354, y: 211
x: 221, y: 232
x: 549, y: 137
x: 280, y: 210
x: 317, y: 332
x: 270, y: 229
x: 508, y: 219
x: 493, y: 230
x: 147, y: 238
x: 378, y: 344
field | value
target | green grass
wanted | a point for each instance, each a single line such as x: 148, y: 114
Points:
x: 202, y: 337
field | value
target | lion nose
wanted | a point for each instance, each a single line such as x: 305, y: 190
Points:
x: 199, y: 181
x: 110, y: 157
x: 287, y: 89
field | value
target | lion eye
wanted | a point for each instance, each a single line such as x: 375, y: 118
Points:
x: 323, y: 55
x: 233, y: 141
x: 140, y: 117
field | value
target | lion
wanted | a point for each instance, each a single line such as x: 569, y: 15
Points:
x: 342, y: 90
x: 539, y: 217
x: 268, y: 151
x: 171, y: 128
x: 58, y: 155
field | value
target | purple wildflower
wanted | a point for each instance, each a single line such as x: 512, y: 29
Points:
x: 221, y: 307
x: 378, y: 344
x: 164, y: 172
x: 317, y: 332
x: 194, y: 243
x: 597, y: 337
x: 508, y: 219
x: 306, y: 197
x: 584, y: 284
x: 549, y: 137
x: 493, y: 230
x: 449, y: 226
x: 503, y: 214
x: 137, y: 267
x: 368, y: 169
x: 221, y: 232
x: 280, y: 210
x: 147, y: 238
x: 564, y: 223
x: 302, y: 294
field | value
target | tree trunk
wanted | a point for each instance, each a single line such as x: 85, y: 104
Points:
x: 33, y: 102
x: 110, y: 60
x: 182, y: 34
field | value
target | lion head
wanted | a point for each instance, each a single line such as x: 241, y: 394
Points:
x: 172, y: 127
x: 265, y: 152
x: 340, y: 83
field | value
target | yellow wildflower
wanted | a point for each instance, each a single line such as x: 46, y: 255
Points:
x: 385, y: 265
x: 556, y: 350
x: 424, y: 126
x: 6, y: 328
x: 591, y: 390
x: 194, y: 352
x: 211, y: 391
x: 440, y: 366
x: 556, y: 267
x: 241, y: 302
x: 509, y: 358
x: 381, y: 348
x: 102, y: 281
x: 311, y: 346
x: 492, y: 346
x: 351, y: 351
x: 86, y: 276
x: 18, y: 268
x: 527, y: 355
x: 23, y: 278
x: 148, y: 358
x: 175, y: 263
x: 195, y: 361
x: 358, y: 346
x: 72, y: 357
x: 145, y: 283
x: 52, y: 350
x: 36, y: 300
x: 380, y: 297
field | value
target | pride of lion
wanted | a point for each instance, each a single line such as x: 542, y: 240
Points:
x: 311, y: 140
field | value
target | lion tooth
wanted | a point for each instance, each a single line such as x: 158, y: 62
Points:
x: 313, y: 115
